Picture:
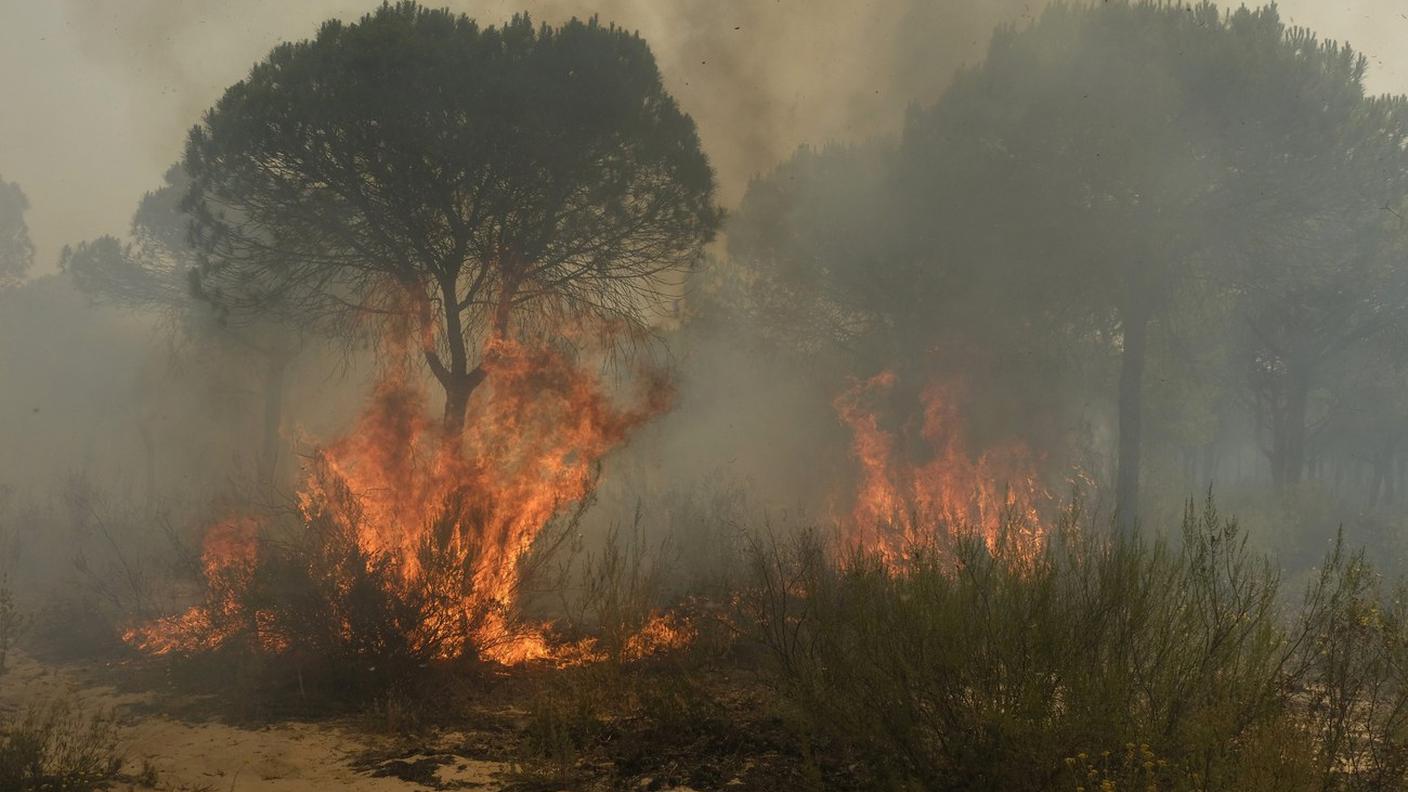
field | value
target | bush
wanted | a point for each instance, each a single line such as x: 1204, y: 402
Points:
x: 306, y: 612
x: 56, y: 747
x: 958, y: 668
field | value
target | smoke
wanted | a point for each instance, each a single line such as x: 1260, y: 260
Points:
x: 83, y: 80
x: 96, y: 97
x: 760, y: 77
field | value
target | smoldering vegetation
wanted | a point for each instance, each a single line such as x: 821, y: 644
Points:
x: 447, y: 391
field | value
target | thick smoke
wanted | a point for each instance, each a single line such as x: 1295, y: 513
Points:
x: 99, y: 96
x: 760, y: 78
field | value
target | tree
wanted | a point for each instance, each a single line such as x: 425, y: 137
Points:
x: 1322, y: 177
x: 1118, y: 153
x: 813, y: 236
x: 16, y: 251
x: 1365, y: 414
x: 1111, y: 176
x: 1086, y: 137
x: 476, y: 181
x: 154, y: 273
x: 836, y: 261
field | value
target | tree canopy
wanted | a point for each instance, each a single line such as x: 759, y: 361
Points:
x: 152, y: 272
x: 16, y: 251
x: 155, y: 272
x: 1103, y: 176
x: 477, y: 180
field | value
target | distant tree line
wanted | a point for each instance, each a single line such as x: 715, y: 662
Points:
x: 1204, y: 210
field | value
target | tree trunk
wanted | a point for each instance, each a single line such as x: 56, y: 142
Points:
x: 458, y: 389
x: 271, y: 441
x: 1131, y: 403
x: 1297, y: 407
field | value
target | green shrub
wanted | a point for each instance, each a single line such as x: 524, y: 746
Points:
x: 958, y: 668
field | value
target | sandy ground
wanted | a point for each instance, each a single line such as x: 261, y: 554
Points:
x: 213, y: 756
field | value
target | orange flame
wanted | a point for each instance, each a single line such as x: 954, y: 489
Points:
x: 229, y: 553
x: 898, y: 501
x: 665, y: 631
x: 530, y: 446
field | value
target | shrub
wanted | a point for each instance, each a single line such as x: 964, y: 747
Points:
x: 612, y: 594
x: 57, y: 747
x: 305, y: 611
x: 959, y: 668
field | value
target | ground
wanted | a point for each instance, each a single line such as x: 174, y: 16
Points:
x: 719, y: 735
x: 208, y: 754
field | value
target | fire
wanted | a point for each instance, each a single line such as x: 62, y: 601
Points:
x: 457, y: 514
x: 664, y: 631
x: 898, y: 501
x: 228, y: 556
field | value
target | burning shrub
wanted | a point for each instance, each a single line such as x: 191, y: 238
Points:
x: 616, y: 594
x: 960, y: 668
x: 344, y: 613
x: 897, y: 496
x: 341, y: 617
x: 412, y: 539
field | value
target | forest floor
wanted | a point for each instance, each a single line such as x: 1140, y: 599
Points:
x: 191, y: 748
x: 172, y: 740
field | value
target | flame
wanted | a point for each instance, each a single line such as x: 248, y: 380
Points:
x: 529, y: 447
x: 665, y: 631
x: 228, y: 556
x: 457, y: 513
x: 899, y: 501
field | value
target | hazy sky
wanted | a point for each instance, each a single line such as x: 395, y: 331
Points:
x: 96, y: 95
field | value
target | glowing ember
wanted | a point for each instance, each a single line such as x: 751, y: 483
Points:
x: 899, y: 501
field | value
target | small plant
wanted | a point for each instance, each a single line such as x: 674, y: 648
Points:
x: 562, y: 720
x: 1134, y: 769
x: 616, y: 590
x: 60, y: 748
x: 12, y: 621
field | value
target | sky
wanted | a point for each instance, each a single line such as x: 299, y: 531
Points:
x: 96, y: 96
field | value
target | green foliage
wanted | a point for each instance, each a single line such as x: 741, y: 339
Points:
x: 481, y: 180
x: 153, y: 272
x: 961, y: 669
